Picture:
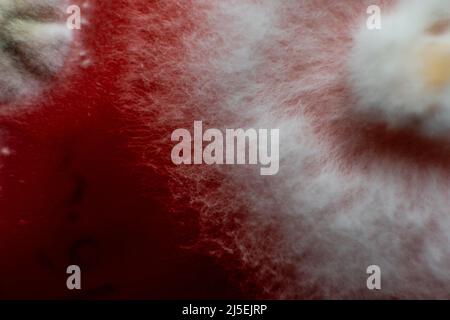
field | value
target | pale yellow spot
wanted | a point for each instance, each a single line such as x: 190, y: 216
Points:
x: 436, y: 65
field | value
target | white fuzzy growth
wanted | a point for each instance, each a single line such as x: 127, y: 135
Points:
x: 385, y: 69
x: 333, y: 225
x: 312, y: 230
x: 34, y: 42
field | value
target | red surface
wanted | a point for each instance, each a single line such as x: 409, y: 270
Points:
x: 73, y: 194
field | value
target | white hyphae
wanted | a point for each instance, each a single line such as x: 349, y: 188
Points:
x: 342, y: 200
x: 401, y: 72
x: 34, y: 41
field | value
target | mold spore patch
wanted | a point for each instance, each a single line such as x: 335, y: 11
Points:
x: 34, y: 41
